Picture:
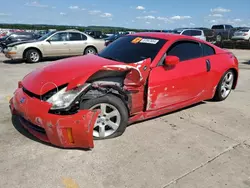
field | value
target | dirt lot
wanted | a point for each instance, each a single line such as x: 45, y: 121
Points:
x: 207, y: 145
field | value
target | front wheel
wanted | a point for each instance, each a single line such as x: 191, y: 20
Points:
x: 113, y: 119
x: 225, y: 86
x: 32, y: 56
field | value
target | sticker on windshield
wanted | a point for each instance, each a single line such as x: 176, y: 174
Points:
x: 136, y: 40
x: 149, y: 41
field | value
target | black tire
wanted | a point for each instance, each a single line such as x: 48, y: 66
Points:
x: 116, y: 102
x: 90, y: 50
x: 30, y: 53
x: 218, y: 94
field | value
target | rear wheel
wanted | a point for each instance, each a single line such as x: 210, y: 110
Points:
x: 225, y: 86
x: 90, y: 50
x: 113, y: 119
x: 32, y: 56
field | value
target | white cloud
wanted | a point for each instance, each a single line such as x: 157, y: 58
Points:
x: 220, y: 9
x: 237, y: 20
x: 216, y: 15
x: 140, y: 8
x: 36, y: 4
x: 161, y: 18
x: 106, y: 15
x: 73, y: 7
x: 146, y: 17
x: 133, y: 21
x: 213, y: 21
x: 4, y: 14
x: 83, y: 8
x: 147, y: 22
x: 93, y: 12
x: 180, y: 17
x: 62, y: 13
x: 192, y: 24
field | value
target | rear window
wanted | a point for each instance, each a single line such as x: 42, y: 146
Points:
x: 195, y: 33
x: 131, y: 49
x: 218, y: 27
x: 244, y: 30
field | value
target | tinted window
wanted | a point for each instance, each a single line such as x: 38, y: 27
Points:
x: 75, y: 36
x: 208, y: 50
x: 228, y: 27
x: 131, y: 49
x: 59, y: 37
x: 195, y: 33
x: 185, y: 50
x: 218, y: 27
x: 84, y: 37
x: 187, y: 32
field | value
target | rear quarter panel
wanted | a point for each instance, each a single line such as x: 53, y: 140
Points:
x: 221, y: 62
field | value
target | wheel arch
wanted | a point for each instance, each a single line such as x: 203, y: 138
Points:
x: 30, y: 48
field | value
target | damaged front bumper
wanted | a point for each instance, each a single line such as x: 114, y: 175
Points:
x: 66, y: 131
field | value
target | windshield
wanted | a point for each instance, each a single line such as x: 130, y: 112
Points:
x: 243, y: 30
x: 177, y: 31
x: 131, y: 49
x: 46, y: 36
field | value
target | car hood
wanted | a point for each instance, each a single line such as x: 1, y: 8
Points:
x: 64, y: 71
x: 21, y: 42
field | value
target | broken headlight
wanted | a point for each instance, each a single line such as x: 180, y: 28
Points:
x: 63, y: 99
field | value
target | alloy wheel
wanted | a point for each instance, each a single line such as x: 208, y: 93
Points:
x: 107, y: 122
x: 227, y: 84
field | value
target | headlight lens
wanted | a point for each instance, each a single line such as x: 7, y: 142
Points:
x: 63, y: 98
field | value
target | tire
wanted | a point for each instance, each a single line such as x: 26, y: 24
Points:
x: 219, y: 38
x: 32, y: 56
x: 111, y: 101
x: 221, y: 94
x: 90, y: 50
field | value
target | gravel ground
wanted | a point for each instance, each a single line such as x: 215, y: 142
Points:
x: 207, y: 145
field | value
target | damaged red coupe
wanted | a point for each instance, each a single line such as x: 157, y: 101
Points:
x: 73, y: 101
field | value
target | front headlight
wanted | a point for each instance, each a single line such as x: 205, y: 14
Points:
x: 63, y: 98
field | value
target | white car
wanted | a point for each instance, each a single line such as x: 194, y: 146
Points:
x: 242, y: 34
x: 55, y: 44
x: 197, y: 33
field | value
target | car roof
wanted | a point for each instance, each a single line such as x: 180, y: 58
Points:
x: 166, y: 36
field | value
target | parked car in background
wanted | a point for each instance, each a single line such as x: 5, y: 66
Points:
x: 17, y: 37
x: 55, y: 44
x: 242, y: 34
x: 112, y: 38
x: 197, y: 33
x: 223, y: 32
x: 209, y: 34
x: 96, y: 34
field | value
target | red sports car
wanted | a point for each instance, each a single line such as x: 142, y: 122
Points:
x: 73, y: 101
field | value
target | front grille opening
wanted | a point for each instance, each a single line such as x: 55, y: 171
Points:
x: 32, y: 126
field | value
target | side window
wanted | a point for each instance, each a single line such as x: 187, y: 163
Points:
x: 208, y: 50
x: 187, y: 32
x: 185, y: 50
x: 59, y: 37
x: 195, y: 33
x: 75, y: 37
x: 84, y: 37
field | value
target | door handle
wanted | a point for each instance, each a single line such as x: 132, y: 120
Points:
x: 208, y: 64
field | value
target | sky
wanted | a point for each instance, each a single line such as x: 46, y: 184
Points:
x: 137, y: 14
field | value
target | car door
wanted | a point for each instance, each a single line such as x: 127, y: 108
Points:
x: 184, y: 82
x: 57, y: 45
x: 77, y: 43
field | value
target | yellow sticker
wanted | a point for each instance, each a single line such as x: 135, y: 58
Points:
x: 136, y: 40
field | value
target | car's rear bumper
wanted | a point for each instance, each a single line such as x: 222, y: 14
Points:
x: 70, y: 131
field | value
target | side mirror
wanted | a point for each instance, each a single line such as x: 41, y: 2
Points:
x: 171, y: 60
x: 48, y: 40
